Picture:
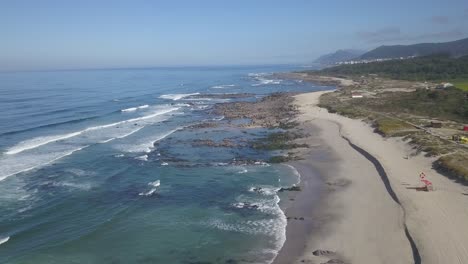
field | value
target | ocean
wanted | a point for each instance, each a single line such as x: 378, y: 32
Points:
x: 99, y: 166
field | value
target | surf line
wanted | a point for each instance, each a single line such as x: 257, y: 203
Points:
x: 383, y: 175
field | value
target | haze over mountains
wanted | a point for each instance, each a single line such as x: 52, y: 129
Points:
x: 339, y: 55
x: 456, y: 48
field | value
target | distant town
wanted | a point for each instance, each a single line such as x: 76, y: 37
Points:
x: 350, y: 62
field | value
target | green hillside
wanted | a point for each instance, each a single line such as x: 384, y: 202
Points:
x: 430, y: 68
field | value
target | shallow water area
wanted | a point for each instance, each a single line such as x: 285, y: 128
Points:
x: 103, y: 167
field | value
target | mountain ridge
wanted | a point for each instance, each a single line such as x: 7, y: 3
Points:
x: 339, y: 55
x: 455, y: 48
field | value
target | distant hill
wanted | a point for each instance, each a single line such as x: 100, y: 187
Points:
x: 339, y: 55
x: 430, y: 68
x: 456, y: 48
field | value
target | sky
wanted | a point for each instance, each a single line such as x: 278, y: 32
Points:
x: 71, y: 34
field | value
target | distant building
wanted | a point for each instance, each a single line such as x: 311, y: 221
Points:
x: 444, y: 85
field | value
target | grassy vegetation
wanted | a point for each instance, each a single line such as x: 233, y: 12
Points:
x: 443, y: 104
x: 461, y: 84
x: 432, y: 146
x: 449, y: 104
x: 429, y: 68
x: 455, y: 164
x: 390, y: 127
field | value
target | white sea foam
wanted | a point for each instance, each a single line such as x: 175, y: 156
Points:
x: 176, y: 97
x: 37, y: 142
x: 262, y: 163
x: 218, y: 118
x: 146, y: 144
x: 4, y: 240
x: 274, y: 227
x: 41, y: 151
x: 148, y: 193
x: 154, y: 188
x: 223, y: 86
x: 156, y: 183
x: 12, y: 166
x: 131, y: 109
x: 143, y: 158
x: 81, y: 186
x: 265, y: 190
x: 199, y: 99
x: 243, y: 171
x: 295, y: 172
x: 164, y: 164
x: 262, y: 79
x: 40, y: 141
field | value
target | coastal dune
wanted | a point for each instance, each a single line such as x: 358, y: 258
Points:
x: 371, y: 212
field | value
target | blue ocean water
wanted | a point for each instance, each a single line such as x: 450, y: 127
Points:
x: 99, y: 166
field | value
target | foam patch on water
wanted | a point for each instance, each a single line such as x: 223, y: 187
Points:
x: 176, y: 97
x: 143, y: 158
x: 264, y: 190
x: 262, y: 163
x: 262, y: 79
x: 41, y: 151
x: 244, y: 170
x: 154, y: 187
x: 12, y: 166
x: 4, y: 240
x: 295, y: 172
x: 273, y: 227
x: 74, y: 185
x: 145, y: 145
x: 40, y: 141
x: 132, y: 109
x: 223, y: 86
x: 148, y: 193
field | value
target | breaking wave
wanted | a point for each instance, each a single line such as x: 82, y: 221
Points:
x: 4, y: 240
x: 176, y: 97
x: 40, y: 141
x: 223, y: 86
x: 262, y: 79
x: 41, y: 151
x: 145, y: 145
x: 131, y: 109
x: 154, y: 188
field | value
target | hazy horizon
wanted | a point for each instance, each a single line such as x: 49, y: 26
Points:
x: 56, y: 35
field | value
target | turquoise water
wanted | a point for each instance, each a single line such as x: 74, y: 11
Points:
x: 99, y: 167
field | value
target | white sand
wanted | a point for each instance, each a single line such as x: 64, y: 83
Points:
x: 370, y: 225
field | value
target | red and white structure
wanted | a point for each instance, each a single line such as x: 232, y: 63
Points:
x: 427, y: 183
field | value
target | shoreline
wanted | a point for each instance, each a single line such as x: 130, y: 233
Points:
x: 325, y: 231
x: 368, y: 211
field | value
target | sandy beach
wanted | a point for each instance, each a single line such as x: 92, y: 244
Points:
x: 369, y: 211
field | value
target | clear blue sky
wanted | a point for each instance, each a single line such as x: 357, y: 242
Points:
x: 61, y: 34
